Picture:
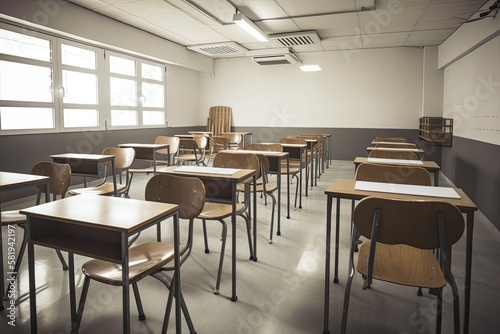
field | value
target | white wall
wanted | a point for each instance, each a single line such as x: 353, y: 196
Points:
x: 369, y: 89
x: 182, y: 96
x: 432, y: 99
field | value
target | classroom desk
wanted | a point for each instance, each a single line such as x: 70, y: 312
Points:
x: 220, y: 184
x: 415, y: 150
x: 344, y: 189
x: 11, y: 181
x: 148, y: 152
x: 97, y: 227
x: 295, y: 151
x: 275, y: 159
x: 431, y: 166
x: 85, y: 165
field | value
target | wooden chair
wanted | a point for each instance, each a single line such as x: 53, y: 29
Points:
x: 168, y: 155
x: 219, y: 119
x: 235, y: 140
x: 401, y: 236
x: 293, y: 171
x: 192, y: 150
x: 153, y: 258
x: 217, y: 143
x: 60, y: 177
x: 220, y: 211
x: 124, y: 157
x: 405, y: 145
x: 267, y: 189
x: 405, y: 155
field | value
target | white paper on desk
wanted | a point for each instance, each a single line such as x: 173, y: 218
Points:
x: 395, y: 161
x: 207, y: 170
x: 396, y: 149
x: 406, y: 189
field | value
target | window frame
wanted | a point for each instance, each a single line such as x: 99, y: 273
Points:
x: 103, y: 85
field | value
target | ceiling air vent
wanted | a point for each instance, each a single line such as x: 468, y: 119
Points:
x: 219, y: 49
x: 283, y: 59
x: 297, y: 39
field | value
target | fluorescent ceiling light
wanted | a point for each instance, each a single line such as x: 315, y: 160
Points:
x: 310, y: 68
x: 249, y: 27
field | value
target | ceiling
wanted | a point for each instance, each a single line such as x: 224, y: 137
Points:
x: 321, y: 25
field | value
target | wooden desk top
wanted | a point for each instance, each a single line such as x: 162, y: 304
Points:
x: 240, y: 175
x: 293, y: 145
x: 12, y: 180
x: 80, y: 156
x: 427, y: 164
x: 151, y: 146
x: 417, y: 150
x: 345, y: 189
x: 266, y: 153
x: 103, y: 212
x: 395, y: 143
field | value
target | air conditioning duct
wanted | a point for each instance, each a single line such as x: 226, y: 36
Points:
x: 280, y: 59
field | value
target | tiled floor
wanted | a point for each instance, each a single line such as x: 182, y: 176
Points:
x: 281, y: 293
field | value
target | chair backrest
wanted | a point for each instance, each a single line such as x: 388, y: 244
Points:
x: 234, y: 138
x: 124, y: 156
x: 173, y: 143
x: 187, y: 192
x: 405, y: 155
x: 292, y: 140
x: 393, y: 174
x: 238, y: 160
x: 219, y: 143
x: 275, y: 147
x: 405, y: 145
x: 219, y: 119
x: 60, y: 177
x: 413, y: 223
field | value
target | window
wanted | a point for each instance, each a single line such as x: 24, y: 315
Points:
x: 79, y: 87
x: 136, y: 92
x: 26, y: 104
x: 74, y: 86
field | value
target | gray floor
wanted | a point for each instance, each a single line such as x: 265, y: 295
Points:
x: 281, y: 293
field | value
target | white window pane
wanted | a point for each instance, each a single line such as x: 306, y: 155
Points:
x: 123, y: 117
x: 153, y: 118
x: 152, y: 95
x: 15, y: 44
x: 74, y: 118
x: 123, y: 92
x: 74, y: 56
x: 22, y: 82
x: 152, y: 72
x: 14, y: 118
x: 121, y: 66
x: 79, y: 87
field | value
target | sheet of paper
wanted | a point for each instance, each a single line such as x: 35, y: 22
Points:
x: 406, y: 189
x: 395, y: 161
x: 207, y: 170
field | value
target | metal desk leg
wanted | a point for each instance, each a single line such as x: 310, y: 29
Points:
x: 468, y: 269
x: 337, y: 229
x: 327, y: 263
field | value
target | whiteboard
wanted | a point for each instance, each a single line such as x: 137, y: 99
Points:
x: 472, y: 94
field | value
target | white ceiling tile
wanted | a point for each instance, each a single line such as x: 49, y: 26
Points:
x: 393, y: 22
x: 146, y: 7
x: 384, y: 40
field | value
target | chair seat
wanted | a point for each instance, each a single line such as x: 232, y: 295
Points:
x: 104, y: 189
x: 12, y: 217
x: 144, y: 260
x: 213, y: 210
x: 392, y: 261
